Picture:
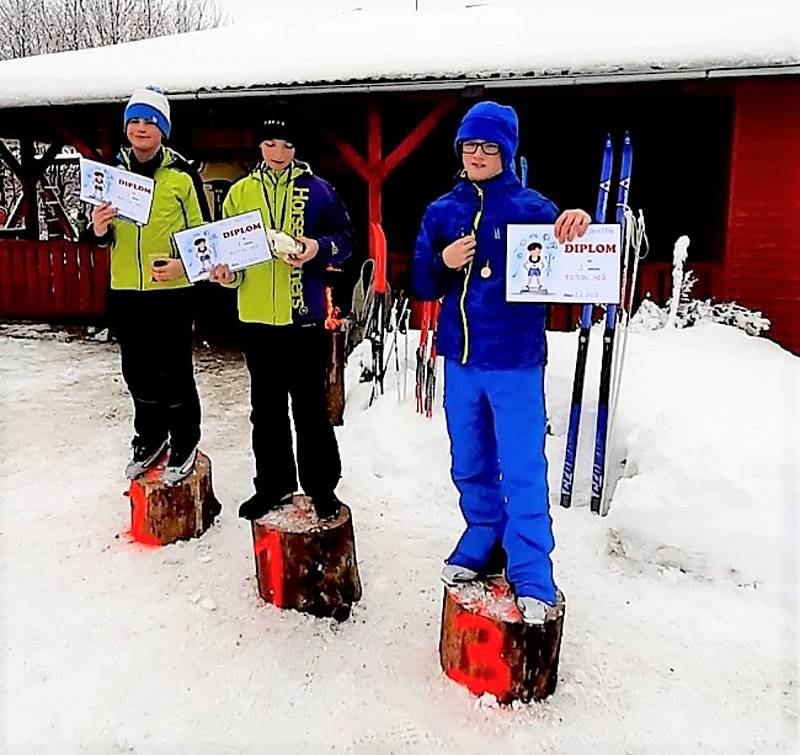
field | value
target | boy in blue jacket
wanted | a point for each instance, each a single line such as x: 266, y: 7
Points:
x: 494, y: 354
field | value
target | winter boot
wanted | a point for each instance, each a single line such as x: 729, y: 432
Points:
x: 453, y: 574
x: 180, y: 463
x: 327, y: 506
x: 144, y: 456
x: 260, y: 504
x: 533, y: 610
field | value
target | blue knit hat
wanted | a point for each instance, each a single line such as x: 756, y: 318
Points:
x: 492, y: 123
x: 151, y: 105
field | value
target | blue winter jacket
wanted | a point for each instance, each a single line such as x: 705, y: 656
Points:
x: 477, y: 326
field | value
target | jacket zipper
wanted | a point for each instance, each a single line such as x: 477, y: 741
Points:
x: 139, y: 253
x: 462, y: 304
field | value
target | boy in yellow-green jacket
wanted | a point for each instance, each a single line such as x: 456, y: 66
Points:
x: 150, y: 301
x: 282, y: 307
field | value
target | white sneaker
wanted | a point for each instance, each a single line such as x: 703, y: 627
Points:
x: 143, y: 458
x: 453, y: 574
x: 176, y: 470
x: 533, y: 610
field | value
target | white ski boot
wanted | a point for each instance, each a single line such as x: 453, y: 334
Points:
x: 533, y: 610
x: 453, y: 574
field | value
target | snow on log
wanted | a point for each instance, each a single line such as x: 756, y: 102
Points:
x: 486, y: 647
x: 305, y: 563
x: 162, y: 514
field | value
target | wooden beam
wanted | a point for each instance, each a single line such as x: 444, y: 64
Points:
x: 418, y: 134
x: 10, y: 233
x: 41, y: 164
x: 70, y: 137
x: 10, y: 160
x: 375, y: 161
x: 351, y: 156
x: 27, y: 162
x: 16, y: 215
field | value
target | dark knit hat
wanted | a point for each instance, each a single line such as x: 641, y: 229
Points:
x: 278, y: 122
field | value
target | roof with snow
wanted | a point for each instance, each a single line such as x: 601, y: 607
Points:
x: 573, y: 41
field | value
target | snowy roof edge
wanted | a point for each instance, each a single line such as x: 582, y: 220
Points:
x: 433, y: 83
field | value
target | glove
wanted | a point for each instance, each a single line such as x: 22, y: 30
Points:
x: 282, y: 245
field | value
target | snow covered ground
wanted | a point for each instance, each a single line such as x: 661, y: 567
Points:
x: 682, y: 612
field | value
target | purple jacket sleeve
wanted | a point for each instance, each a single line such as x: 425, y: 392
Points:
x: 336, y: 239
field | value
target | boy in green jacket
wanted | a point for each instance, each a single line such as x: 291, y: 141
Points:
x: 282, y: 307
x: 150, y: 301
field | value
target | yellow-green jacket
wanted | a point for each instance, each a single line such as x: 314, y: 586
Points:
x: 301, y: 204
x: 178, y: 203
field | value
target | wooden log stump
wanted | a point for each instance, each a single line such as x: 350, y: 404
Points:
x: 486, y: 647
x: 305, y: 563
x: 162, y: 514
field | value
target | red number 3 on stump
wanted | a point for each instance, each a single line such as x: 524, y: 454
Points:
x: 486, y: 671
x: 485, y: 647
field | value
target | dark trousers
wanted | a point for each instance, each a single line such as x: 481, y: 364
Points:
x: 154, y: 330
x: 289, y: 361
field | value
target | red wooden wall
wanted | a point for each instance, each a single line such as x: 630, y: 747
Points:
x: 762, y: 258
x: 54, y: 279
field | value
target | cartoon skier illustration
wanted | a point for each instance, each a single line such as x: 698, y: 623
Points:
x: 204, y: 254
x: 534, y: 267
x: 98, y: 184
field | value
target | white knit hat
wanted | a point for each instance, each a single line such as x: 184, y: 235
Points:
x: 151, y: 105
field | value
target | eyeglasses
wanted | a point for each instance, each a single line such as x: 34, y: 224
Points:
x: 488, y: 148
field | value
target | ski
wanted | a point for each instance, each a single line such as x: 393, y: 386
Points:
x: 583, y: 342
x: 601, y: 432
x: 430, y: 371
x: 636, y: 248
x: 422, y: 353
x: 378, y: 327
x: 397, y: 328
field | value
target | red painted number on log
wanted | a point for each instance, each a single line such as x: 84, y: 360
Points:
x: 139, y: 516
x: 486, y: 669
x: 270, y: 546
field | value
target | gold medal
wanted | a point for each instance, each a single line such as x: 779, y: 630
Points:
x: 486, y: 271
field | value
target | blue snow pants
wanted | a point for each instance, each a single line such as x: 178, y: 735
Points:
x: 497, y: 425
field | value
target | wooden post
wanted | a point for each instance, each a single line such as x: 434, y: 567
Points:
x: 375, y: 162
x: 334, y: 377
x: 304, y: 563
x: 29, y: 170
x: 162, y: 514
x: 486, y: 647
x: 375, y: 169
x: 29, y: 182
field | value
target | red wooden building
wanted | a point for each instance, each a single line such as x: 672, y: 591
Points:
x: 716, y: 126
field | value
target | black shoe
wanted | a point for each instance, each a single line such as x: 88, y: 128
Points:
x: 327, y: 506
x: 144, y: 456
x: 260, y: 504
x: 496, y: 563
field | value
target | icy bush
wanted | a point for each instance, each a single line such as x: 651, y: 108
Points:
x: 690, y: 311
